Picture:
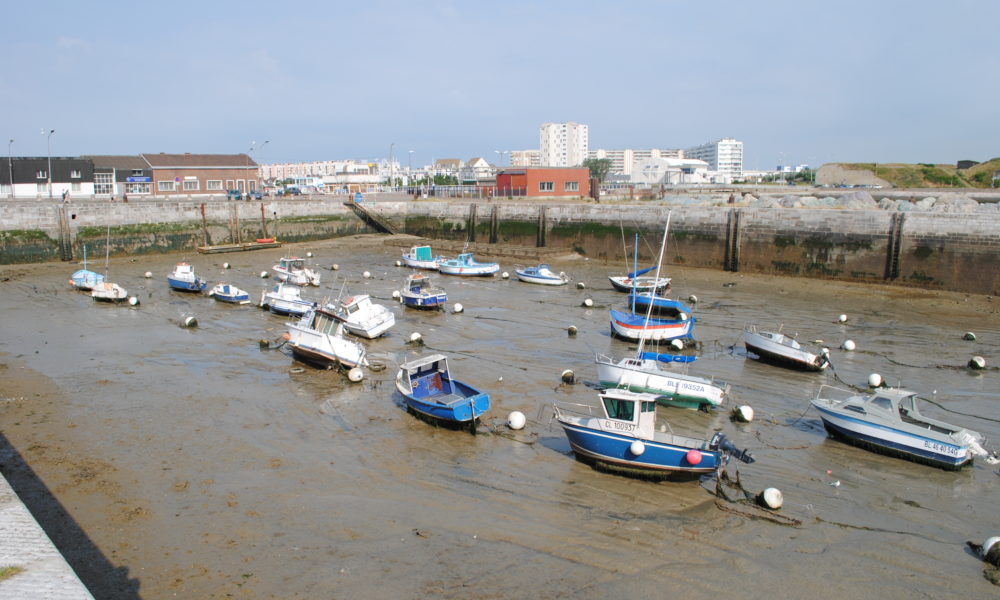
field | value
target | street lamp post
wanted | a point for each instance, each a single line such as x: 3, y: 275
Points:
x: 10, y: 167
x: 48, y: 145
x: 249, y: 152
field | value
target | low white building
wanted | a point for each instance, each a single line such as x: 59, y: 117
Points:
x: 671, y: 171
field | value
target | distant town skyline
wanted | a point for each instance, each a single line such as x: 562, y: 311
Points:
x: 797, y: 83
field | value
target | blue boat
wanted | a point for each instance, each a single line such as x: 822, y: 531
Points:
x: 624, y: 439
x: 183, y: 279
x: 417, y: 292
x: 541, y: 274
x: 225, y: 292
x: 430, y: 392
x: 640, y: 302
x: 85, y: 279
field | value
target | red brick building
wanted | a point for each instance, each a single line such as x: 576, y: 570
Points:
x: 543, y: 182
x: 198, y: 174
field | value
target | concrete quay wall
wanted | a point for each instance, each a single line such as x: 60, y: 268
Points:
x: 952, y: 251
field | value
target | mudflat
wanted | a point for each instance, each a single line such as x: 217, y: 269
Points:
x: 167, y: 461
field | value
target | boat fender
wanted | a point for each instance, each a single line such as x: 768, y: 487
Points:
x: 458, y: 307
x: 977, y: 363
x: 770, y: 498
x: 693, y: 456
x: 516, y: 420
x: 637, y: 448
x: 568, y: 376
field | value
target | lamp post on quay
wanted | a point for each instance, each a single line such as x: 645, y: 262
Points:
x: 48, y: 145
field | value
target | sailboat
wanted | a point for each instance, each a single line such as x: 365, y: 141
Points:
x: 85, y: 279
x: 643, y: 374
x: 105, y: 291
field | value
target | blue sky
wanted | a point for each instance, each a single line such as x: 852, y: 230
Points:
x: 797, y: 82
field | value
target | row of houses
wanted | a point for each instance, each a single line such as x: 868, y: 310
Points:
x: 159, y: 174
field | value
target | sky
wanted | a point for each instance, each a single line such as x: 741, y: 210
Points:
x: 796, y: 82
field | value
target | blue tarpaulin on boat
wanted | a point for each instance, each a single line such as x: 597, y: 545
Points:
x: 637, y: 273
x: 668, y: 358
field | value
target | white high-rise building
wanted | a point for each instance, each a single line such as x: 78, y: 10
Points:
x: 724, y: 156
x: 563, y: 144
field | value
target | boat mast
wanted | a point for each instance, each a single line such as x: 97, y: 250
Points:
x: 652, y: 293
x: 107, y: 252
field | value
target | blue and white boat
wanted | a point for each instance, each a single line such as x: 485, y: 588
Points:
x: 641, y: 302
x: 465, y: 264
x: 418, y: 292
x: 430, y: 392
x: 225, y: 292
x: 623, y: 437
x: 888, y: 421
x: 542, y: 274
x: 421, y: 257
x: 85, y: 279
x: 286, y: 299
x: 183, y: 279
x: 634, y: 326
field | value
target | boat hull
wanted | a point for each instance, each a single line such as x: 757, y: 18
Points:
x: 673, y: 389
x: 460, y: 408
x: 633, y: 326
x: 893, y: 442
x: 613, y: 450
x: 782, y: 355
x: 229, y: 294
x: 426, y: 302
x: 642, y: 284
x: 430, y: 265
x: 181, y: 285
x: 469, y: 271
x: 324, y: 350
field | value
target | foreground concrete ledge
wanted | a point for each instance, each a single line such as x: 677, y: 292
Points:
x: 23, y: 543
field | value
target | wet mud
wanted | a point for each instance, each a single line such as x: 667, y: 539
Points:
x: 190, y: 462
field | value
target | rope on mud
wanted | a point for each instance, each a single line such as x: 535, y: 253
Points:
x: 882, y: 530
x: 746, y: 506
x: 773, y: 447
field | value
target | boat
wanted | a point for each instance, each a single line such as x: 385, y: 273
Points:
x: 887, y: 420
x: 318, y: 339
x: 363, y: 317
x: 430, y: 391
x: 293, y: 270
x: 643, y: 373
x: 183, y: 279
x: 656, y: 304
x: 106, y: 291
x: 286, y: 299
x: 85, y: 279
x: 623, y: 437
x: 225, y: 292
x: 418, y: 292
x: 420, y: 257
x: 635, y: 326
x: 777, y: 348
x: 635, y: 281
x: 541, y: 274
x: 465, y: 264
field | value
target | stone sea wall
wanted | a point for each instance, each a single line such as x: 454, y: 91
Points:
x: 937, y: 250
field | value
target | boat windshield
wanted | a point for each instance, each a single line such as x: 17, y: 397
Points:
x: 325, y: 324
x: 619, y: 409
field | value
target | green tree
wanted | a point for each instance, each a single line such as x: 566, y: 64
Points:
x: 599, y: 167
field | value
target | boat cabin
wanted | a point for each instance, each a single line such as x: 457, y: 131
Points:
x: 183, y: 269
x: 325, y: 322
x: 895, y: 406
x: 629, y: 412
x: 353, y: 304
x: 292, y: 264
x: 421, y: 253
x: 417, y: 283
x: 428, y: 378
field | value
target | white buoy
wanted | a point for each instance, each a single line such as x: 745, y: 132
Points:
x: 190, y: 322
x: 516, y: 420
x: 977, y: 362
x: 366, y: 275
x: 149, y: 274
x: 334, y: 267
x: 874, y: 380
x: 356, y: 374
x: 458, y: 307
x: 226, y: 265
x: 396, y: 294
x: 580, y: 285
x: 842, y: 318
x: 309, y: 254
x: 416, y: 338
x: 571, y: 330
x: 771, y: 498
x: 133, y: 301
x: 505, y: 275
x: 500, y: 378
x: 969, y: 336
x: 399, y: 263
x: 990, y: 551
x: 848, y: 345
x: 568, y: 376
x: 588, y: 302
x: 637, y: 448
x: 693, y: 299
x: 677, y: 344
x: 743, y: 414
x: 263, y: 274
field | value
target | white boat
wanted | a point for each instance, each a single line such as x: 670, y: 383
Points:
x: 293, y: 270
x: 778, y: 348
x: 541, y: 274
x: 286, y: 299
x: 465, y: 264
x: 363, y: 317
x: 420, y: 257
x: 106, y: 291
x: 225, y: 292
x: 888, y: 421
x: 318, y: 339
x: 627, y: 283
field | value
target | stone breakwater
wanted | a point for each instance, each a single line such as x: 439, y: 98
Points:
x: 936, y: 242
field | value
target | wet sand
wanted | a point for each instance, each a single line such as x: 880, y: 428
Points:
x: 175, y: 462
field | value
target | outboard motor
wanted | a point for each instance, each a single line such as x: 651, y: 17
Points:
x: 722, y: 443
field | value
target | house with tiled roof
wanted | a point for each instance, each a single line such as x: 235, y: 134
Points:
x: 198, y: 174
